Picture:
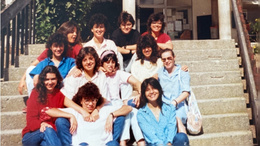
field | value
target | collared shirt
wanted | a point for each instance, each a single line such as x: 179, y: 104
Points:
x: 158, y: 132
x: 106, y: 45
x: 172, y: 88
x: 64, y: 67
x: 72, y: 84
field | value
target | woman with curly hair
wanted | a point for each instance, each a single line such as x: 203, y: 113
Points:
x: 155, y: 27
x: 148, y: 61
x: 89, y: 133
x: 40, y: 128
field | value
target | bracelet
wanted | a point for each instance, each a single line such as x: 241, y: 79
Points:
x: 176, y: 103
x: 112, y: 115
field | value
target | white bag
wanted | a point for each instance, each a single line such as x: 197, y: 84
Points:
x: 194, y: 118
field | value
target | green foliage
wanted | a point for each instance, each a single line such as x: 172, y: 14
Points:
x: 50, y: 14
x: 255, y: 30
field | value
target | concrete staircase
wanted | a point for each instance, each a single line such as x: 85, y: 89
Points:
x: 215, y: 80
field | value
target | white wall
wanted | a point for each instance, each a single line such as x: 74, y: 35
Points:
x: 199, y: 8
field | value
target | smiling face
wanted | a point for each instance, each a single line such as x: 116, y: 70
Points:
x: 57, y: 50
x: 89, y: 104
x: 98, y: 30
x: 88, y: 62
x: 156, y: 26
x: 50, y: 81
x: 151, y: 93
x: 168, y: 60
x: 147, y: 52
x: 126, y: 27
x: 72, y: 36
x: 109, y: 66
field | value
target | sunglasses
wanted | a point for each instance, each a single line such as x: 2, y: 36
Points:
x: 168, y: 58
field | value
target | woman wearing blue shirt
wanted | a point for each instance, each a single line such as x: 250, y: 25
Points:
x: 157, y: 119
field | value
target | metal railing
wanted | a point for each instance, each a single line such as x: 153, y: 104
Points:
x: 17, y: 31
x: 246, y: 62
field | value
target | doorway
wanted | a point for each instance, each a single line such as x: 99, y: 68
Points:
x: 203, y: 27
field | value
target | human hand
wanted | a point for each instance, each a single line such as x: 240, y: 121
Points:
x: 109, y: 123
x: 44, y: 125
x: 185, y: 68
x: 86, y: 116
x: 136, y: 100
x: 73, y: 124
x: 75, y: 72
x: 22, y: 85
x: 94, y: 115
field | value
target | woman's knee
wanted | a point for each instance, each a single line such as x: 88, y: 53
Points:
x: 61, y: 122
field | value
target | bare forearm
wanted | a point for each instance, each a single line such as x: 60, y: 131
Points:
x: 182, y: 97
x: 54, y: 112
x: 71, y: 104
x: 123, y: 111
x: 131, y: 47
x: 165, y: 45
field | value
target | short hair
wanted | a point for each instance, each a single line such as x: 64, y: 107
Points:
x: 98, y: 19
x: 167, y: 50
x: 155, y: 17
x: 124, y: 17
x: 155, y: 84
x: 110, y: 56
x: 68, y: 27
x: 40, y: 86
x: 147, y: 41
x: 60, y: 40
x: 89, y: 91
x: 87, y: 51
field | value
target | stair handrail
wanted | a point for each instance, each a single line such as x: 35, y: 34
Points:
x: 254, y: 101
x: 12, y: 10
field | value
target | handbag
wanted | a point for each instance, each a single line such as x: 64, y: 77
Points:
x: 194, y: 118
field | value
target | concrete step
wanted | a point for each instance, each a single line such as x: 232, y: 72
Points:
x: 13, y: 120
x: 26, y: 60
x: 215, y: 77
x: 222, y: 138
x: 202, y: 44
x: 198, y: 55
x: 225, y: 122
x: 13, y: 103
x: 36, y: 49
x: 211, y: 65
x: 218, y: 91
x: 11, y: 137
x: 212, y: 106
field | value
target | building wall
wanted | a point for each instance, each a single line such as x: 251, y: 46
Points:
x: 199, y: 8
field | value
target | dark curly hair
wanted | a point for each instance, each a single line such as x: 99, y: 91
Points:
x: 108, y: 57
x: 124, y: 17
x: 59, y: 39
x: 144, y: 42
x: 89, y: 91
x: 155, y: 84
x: 40, y: 86
x: 99, y: 19
x: 155, y: 17
x: 68, y: 27
x: 87, y: 51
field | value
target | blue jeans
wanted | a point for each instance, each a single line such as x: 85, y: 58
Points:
x: 48, y: 137
x: 180, y: 139
x: 63, y: 126
x: 63, y: 131
x: 131, y: 103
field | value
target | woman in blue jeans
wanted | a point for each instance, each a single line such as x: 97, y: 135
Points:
x: 157, y: 119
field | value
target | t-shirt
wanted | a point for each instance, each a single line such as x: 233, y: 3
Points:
x: 33, y: 115
x: 114, y: 83
x: 162, y: 38
x: 71, y: 52
x: 122, y: 39
x: 145, y: 70
x: 72, y: 84
x: 106, y: 45
x: 92, y: 133
x: 66, y: 64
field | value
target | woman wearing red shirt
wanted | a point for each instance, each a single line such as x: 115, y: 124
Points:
x: 40, y: 128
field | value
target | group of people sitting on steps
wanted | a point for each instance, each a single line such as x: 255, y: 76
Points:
x: 100, y: 92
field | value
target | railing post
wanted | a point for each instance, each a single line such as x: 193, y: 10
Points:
x: 34, y: 9
x: 2, y: 51
x: 7, y: 52
x: 17, y: 40
x: 26, y: 30
x: 22, y: 31
x: 13, y: 40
